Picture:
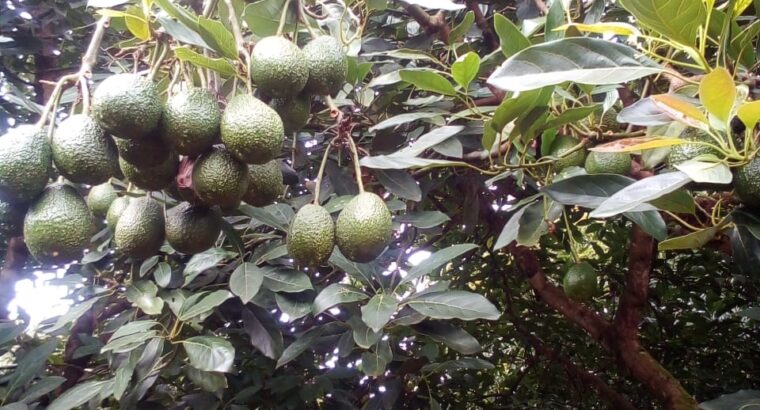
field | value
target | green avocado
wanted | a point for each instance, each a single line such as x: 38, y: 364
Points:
x: 115, y: 210
x: 278, y: 67
x: 192, y: 229
x: 562, y: 145
x: 25, y: 160
x: 11, y: 219
x: 190, y: 123
x: 294, y: 112
x: 82, y: 152
x: 311, y: 236
x: 58, y: 225
x: 127, y: 105
x: 219, y: 178
x: 146, y: 152
x: 364, y: 228
x: 152, y: 178
x: 580, y: 282
x: 608, y: 163
x: 684, y: 152
x: 747, y: 183
x: 100, y: 197
x: 328, y: 65
x: 251, y: 130
x: 264, y: 184
x: 139, y: 231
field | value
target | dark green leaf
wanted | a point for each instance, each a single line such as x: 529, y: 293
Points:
x: 31, y: 364
x: 424, y: 219
x: 202, y: 261
x: 295, y: 305
x: 41, y: 387
x: 220, y: 65
x: 80, y: 394
x: 207, y: 302
x: 450, y: 335
x: 693, y: 240
x: 456, y: 304
x: 400, y: 183
x: 217, y: 37
x: 246, y: 281
x: 641, y: 191
x: 212, y: 354
x: 437, y: 260
x: 336, y: 294
x: 181, y: 32
x: 263, y: 17
x: 148, y: 264
x: 286, y: 280
x: 511, y: 38
x: 404, y: 118
x: 428, y: 80
x: 377, y: 312
x: 263, y: 330
x: 465, y: 363
x: 554, y: 19
x: 299, y: 346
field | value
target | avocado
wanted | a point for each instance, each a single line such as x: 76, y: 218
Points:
x: 327, y: 64
x: 311, y: 236
x: 82, y: 152
x: 747, y: 183
x: 580, y: 282
x: 684, y: 152
x: 251, y: 130
x: 146, y: 152
x: 219, y: 178
x: 562, y: 145
x: 100, y: 197
x: 127, y: 105
x: 278, y: 67
x: 190, y: 123
x: 364, y: 228
x: 294, y: 112
x: 11, y: 219
x: 609, y: 120
x: 192, y: 229
x: 58, y: 225
x: 139, y: 231
x: 152, y: 178
x: 25, y: 160
x: 608, y: 163
x: 115, y: 210
x: 264, y: 184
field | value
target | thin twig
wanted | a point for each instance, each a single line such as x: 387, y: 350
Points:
x: 283, y: 17
x: 318, y: 181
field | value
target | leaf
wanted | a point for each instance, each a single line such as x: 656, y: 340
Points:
x: 510, y: 230
x: 400, y: 183
x: 512, y: 108
x: 678, y: 109
x: 181, y: 32
x: 740, y: 400
x: 185, y: 16
x: 141, y: 328
x: 679, y: 201
x: 450, y: 335
x: 336, y: 294
x: 402, y: 162
x: 424, y: 219
x: 751, y: 313
x: 578, y: 59
x: 286, y: 280
x: 163, y: 274
x: 363, y: 272
x: 635, y: 144
x: 677, y: 20
x: 718, y: 93
x: 694, y: 240
x: 148, y: 264
x: 436, y: 4
x: 73, y: 314
x: 41, y: 387
x: 263, y: 332
x: 533, y: 223
x: 135, y: 20
x: 639, y: 192
x: 554, y: 18
x: 588, y: 191
x: 373, y: 365
x: 208, y: 381
x: 209, y: 353
x: 650, y: 222
x: 378, y: 311
x: 465, y: 69
x: 299, y: 346
x: 143, y: 295
x: 220, y: 65
x: 571, y: 115
x: 246, y: 281
x: 295, y: 305
x: 465, y: 363
x: 217, y: 37
x: 749, y: 113
x: 428, y: 80
x: 80, y: 394
x: 437, y: 260
x: 745, y: 250
x: 455, y: 304
x: 620, y: 29
x: 106, y: 3
x: 643, y: 112
x: 462, y: 28
x: 511, y: 38
x: 277, y: 215
x: 403, y: 119
x: 202, y: 261
x: 207, y: 302
x: 263, y: 17
x: 30, y: 365
x: 706, y: 172
x: 363, y: 336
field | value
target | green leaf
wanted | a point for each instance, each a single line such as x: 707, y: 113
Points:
x: 263, y: 17
x: 571, y: 115
x: 373, y: 365
x: 80, y: 394
x: 202, y: 303
x: 424, y: 219
x: 706, y: 172
x: 181, y: 32
x: 263, y: 331
x: 511, y: 38
x: 402, y: 162
x: 510, y: 230
x: 220, y: 65
x: 336, y: 294
x: 581, y: 60
x: 185, y: 16
x: 749, y: 113
x: 513, y: 107
x: 450, y: 335
x: 363, y: 272
x: 295, y: 305
x: 202, y: 261
x: 400, y: 183
x: 677, y: 20
x: 30, y: 365
x: 645, y: 190
x: 41, y: 387
x: 717, y: 93
x: 73, y: 314
x: 217, y: 37
x: 462, y: 28
x: 436, y: 4
x: 554, y: 19
x: 286, y: 280
x: 130, y: 336
x: 465, y: 363
x: 428, y: 80
x: 742, y: 399
x: 437, y: 260
x: 455, y: 304
x: 745, y: 249
x: 588, y: 191
x: 363, y: 336
x: 246, y: 281
x: 378, y: 311
x: 680, y: 202
x: 148, y: 264
x: 299, y: 346
x: 208, y: 381
x: 163, y: 274
x: 143, y: 295
x: 276, y: 215
x: 404, y: 118
x: 209, y: 353
x: 650, y: 222
x: 694, y: 240
x: 751, y: 313
x: 465, y: 69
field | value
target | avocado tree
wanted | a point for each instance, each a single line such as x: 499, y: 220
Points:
x: 384, y: 204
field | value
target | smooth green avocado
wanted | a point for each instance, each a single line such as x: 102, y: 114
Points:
x: 11, y: 219
x: 364, y: 228
x: 191, y: 120
x: 294, y: 112
x: 608, y: 163
x: 58, y: 225
x: 251, y: 130
x: 747, y: 183
x: 580, y: 282
x: 146, y: 152
x: 152, y: 178
x: 127, y: 105
x: 327, y: 64
x: 139, y: 231
x: 684, y: 152
x: 100, y: 197
x: 192, y: 229
x: 311, y: 236
x: 278, y: 67
x: 561, y: 146
x: 115, y: 210
x: 82, y: 152
x: 265, y: 184
x: 25, y: 160
x: 219, y: 178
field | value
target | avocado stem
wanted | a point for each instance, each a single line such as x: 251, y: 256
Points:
x: 357, y: 167
x: 318, y: 181
x: 283, y: 17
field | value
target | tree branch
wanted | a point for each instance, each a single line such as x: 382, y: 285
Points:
x: 480, y: 20
x: 634, y: 298
x: 433, y: 25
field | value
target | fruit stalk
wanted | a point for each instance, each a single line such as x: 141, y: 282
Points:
x: 283, y: 17
x: 238, y: 33
x: 321, y: 172
x: 357, y: 167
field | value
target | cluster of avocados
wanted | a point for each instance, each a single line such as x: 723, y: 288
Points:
x: 131, y: 133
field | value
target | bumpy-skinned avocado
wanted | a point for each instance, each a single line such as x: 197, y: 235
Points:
x: 561, y: 146
x: 608, y: 163
x: 152, y: 178
x: 294, y: 112
x: 311, y: 236
x: 219, y: 178
x: 609, y: 120
x: 251, y: 130
x: 82, y: 152
x: 684, y: 152
x: 146, y: 152
x: 363, y: 228
x: 278, y: 67
x: 580, y: 282
x: 127, y: 105
x: 115, y: 210
x: 139, y: 231
x: 264, y: 183
x: 192, y: 229
x: 190, y: 123
x: 747, y: 183
x: 100, y: 197
x: 58, y: 225
x: 25, y: 160
x: 328, y: 65
x: 11, y: 219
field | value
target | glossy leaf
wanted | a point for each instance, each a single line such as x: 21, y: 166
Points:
x: 220, y: 65
x: 217, y: 37
x: 679, y: 109
x: 336, y: 294
x: 378, y: 311
x: 452, y: 336
x: 143, y: 295
x: 692, y: 240
x: 207, y: 302
x: 424, y: 219
x: 246, y: 281
x: 80, y: 394
x: 286, y: 280
x: 212, y: 354
x: 465, y: 69
x: 436, y: 261
x: 678, y: 20
x: 718, y: 93
x: 455, y: 304
x: 428, y: 80
x: 639, y: 192
x: 511, y: 38
x: 400, y: 183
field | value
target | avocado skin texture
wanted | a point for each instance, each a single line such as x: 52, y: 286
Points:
x: 82, y: 152
x: 100, y: 197
x: 192, y: 229
x: 115, y: 210
x: 139, y: 232
x: 363, y: 228
x: 127, y: 105
x: 580, y: 282
x: 328, y: 65
x: 264, y: 184
x: 251, y: 130
x: 25, y: 160
x: 608, y: 163
x: 294, y: 112
x: 219, y: 178
x: 147, y: 152
x: 311, y: 236
x: 562, y: 145
x: 58, y: 225
x: 11, y: 219
x: 152, y: 178
x: 684, y: 152
x: 747, y: 183
x: 190, y: 123
x: 278, y: 67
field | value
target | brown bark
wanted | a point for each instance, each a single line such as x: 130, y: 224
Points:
x: 434, y: 25
x: 480, y: 20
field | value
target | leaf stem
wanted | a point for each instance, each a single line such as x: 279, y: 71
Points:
x: 240, y: 41
x: 283, y: 17
x: 321, y: 172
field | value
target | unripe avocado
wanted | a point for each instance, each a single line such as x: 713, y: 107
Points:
x: 294, y: 112
x: 363, y: 228
x: 251, y: 130
x: 562, y: 145
x: 192, y: 229
x: 328, y: 65
x: 11, y: 219
x: 115, y: 210
x: 684, y: 152
x: 264, y: 183
x: 580, y: 282
x: 100, y: 197
x: 278, y: 67
x: 25, y: 160
x: 58, y: 225
x: 190, y: 123
x: 609, y: 120
x: 146, y: 152
x: 82, y: 152
x: 139, y: 232
x: 747, y: 183
x: 311, y: 236
x: 127, y: 105
x: 608, y: 163
x: 152, y: 178
x: 219, y: 178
